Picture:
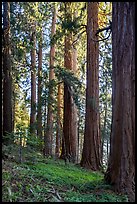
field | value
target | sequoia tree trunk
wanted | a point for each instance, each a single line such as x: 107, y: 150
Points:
x: 69, y: 121
x: 121, y: 167
x: 92, y: 143
x: 7, y: 75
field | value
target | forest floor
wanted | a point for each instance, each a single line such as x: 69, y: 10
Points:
x: 39, y: 179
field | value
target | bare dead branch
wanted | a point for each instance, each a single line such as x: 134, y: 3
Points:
x: 102, y: 39
x: 103, y: 29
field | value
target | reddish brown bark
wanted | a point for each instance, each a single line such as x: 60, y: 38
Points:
x: 7, y: 77
x: 33, y: 84
x: 91, y: 147
x: 121, y: 168
x: 69, y: 121
x: 49, y: 129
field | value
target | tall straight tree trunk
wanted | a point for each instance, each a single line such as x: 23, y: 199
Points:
x: 39, y: 116
x: 69, y: 119
x: 121, y: 167
x: 67, y: 96
x: 7, y: 76
x: 49, y: 129
x: 33, y: 84
x: 91, y: 147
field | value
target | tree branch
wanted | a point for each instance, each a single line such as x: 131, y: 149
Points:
x: 102, y: 29
x: 102, y: 39
x: 98, y: 31
x: 78, y: 37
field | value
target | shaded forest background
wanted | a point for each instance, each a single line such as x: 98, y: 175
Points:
x: 68, y: 78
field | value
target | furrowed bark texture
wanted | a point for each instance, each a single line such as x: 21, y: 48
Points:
x: 121, y: 168
x: 91, y: 147
x: 70, y: 124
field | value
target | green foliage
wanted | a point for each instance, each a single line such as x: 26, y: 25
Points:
x: 74, y: 84
x: 59, y: 34
x: 71, y: 25
x: 9, y: 137
x: 39, y: 180
x: 33, y: 141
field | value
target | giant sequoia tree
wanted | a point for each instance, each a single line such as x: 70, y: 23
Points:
x: 91, y: 148
x: 69, y: 123
x: 121, y: 168
x: 7, y: 76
